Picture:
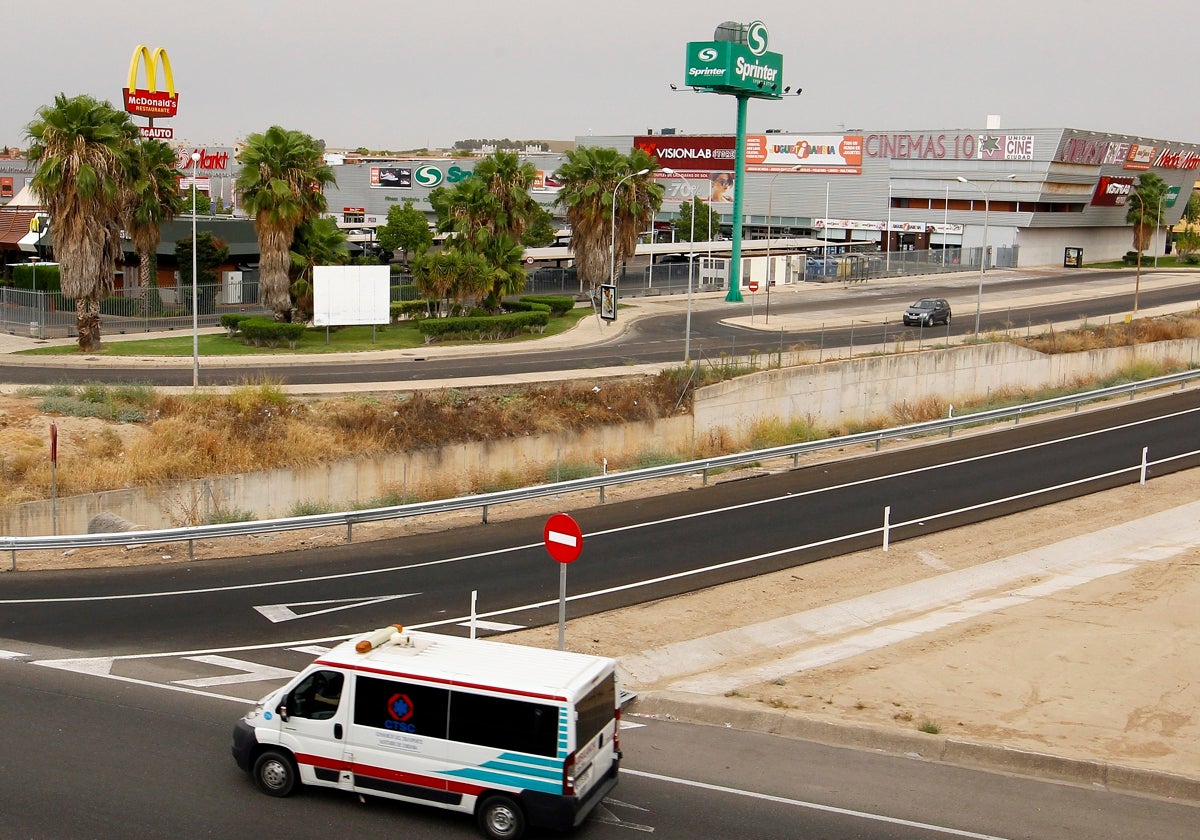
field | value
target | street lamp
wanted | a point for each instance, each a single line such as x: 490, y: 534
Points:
x: 612, y: 272
x: 770, y: 210
x: 195, y: 284
x: 1157, y: 226
x: 687, y: 327
x: 983, y: 250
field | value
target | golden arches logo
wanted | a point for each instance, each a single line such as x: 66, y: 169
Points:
x: 150, y: 101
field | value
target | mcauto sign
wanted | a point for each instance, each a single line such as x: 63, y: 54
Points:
x: 743, y: 69
x: 151, y: 101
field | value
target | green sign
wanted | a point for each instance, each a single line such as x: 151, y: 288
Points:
x: 734, y: 67
x: 1172, y: 196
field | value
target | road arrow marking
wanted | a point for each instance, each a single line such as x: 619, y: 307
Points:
x: 248, y: 672
x: 12, y: 654
x: 276, y: 613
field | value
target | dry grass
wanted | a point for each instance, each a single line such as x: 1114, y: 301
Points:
x: 258, y: 427
x: 1102, y: 336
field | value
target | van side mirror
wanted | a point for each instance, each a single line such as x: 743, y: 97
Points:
x: 281, y: 710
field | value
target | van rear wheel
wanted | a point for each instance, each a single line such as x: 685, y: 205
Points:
x: 275, y: 773
x: 501, y: 818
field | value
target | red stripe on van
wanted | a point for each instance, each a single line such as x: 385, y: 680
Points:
x: 432, y: 782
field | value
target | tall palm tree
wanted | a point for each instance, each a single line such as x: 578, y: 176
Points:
x: 153, y: 198
x: 1145, y: 214
x: 283, y: 174
x: 489, y: 212
x: 589, y: 179
x: 82, y: 147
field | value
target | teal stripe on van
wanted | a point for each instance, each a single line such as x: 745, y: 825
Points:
x: 509, y: 780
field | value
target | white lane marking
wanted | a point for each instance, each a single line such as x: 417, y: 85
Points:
x: 787, y: 497
x: 814, y: 806
x: 561, y: 538
x: 314, y: 650
x: 602, y: 814
x: 83, y: 666
x: 12, y: 654
x: 276, y: 613
x: 247, y: 672
x: 496, y: 626
x: 98, y: 666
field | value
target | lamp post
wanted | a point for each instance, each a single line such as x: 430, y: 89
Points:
x: 983, y: 250
x: 195, y: 284
x: 1157, y: 227
x: 687, y: 327
x: 945, y: 224
x: 887, y: 234
x: 612, y: 266
x: 770, y: 210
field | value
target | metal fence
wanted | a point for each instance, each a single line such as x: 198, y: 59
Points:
x: 671, y: 278
x: 484, y: 501
x: 162, y: 308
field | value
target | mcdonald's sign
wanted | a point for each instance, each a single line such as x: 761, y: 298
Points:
x: 150, y: 101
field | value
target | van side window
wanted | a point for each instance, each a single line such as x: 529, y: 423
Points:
x: 516, y: 725
x: 317, y: 696
x: 401, y: 706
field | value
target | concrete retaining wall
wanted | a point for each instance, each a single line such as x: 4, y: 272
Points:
x: 833, y: 393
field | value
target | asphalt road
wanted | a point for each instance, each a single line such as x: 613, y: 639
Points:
x: 633, y: 551
x: 90, y: 758
x: 659, y: 339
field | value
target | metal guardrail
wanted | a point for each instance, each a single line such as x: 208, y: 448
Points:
x: 486, y: 500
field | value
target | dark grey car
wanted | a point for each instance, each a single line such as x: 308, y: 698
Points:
x: 926, y: 312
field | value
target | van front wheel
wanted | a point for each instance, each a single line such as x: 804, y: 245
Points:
x: 501, y: 818
x: 275, y: 773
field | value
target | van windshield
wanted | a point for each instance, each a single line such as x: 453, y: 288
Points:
x: 596, y: 711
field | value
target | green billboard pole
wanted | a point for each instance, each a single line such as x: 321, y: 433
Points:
x: 736, y: 63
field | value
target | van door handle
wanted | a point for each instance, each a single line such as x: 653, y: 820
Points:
x: 337, y: 731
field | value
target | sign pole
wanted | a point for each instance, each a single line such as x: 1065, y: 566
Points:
x: 53, y: 479
x: 739, y: 169
x: 564, y: 542
x: 562, y: 606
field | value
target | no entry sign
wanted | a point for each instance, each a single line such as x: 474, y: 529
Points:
x: 752, y: 285
x: 563, y: 538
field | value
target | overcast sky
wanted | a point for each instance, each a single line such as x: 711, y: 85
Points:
x: 395, y: 75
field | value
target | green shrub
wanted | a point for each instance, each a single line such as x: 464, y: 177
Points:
x: 559, y: 305
x: 221, y: 516
x: 44, y: 277
x: 231, y: 321
x: 409, y: 309
x: 524, y: 305
x: 490, y: 328
x: 263, y: 331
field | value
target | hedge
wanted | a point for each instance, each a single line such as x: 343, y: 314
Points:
x: 259, y: 331
x: 524, y: 305
x: 409, y: 309
x: 231, y: 321
x: 558, y: 305
x: 490, y: 328
x: 26, y: 275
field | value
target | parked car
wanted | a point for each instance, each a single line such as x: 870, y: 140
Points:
x: 926, y: 312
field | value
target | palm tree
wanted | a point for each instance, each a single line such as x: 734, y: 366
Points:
x: 82, y: 148
x: 1145, y: 214
x: 316, y: 242
x: 489, y: 212
x: 283, y: 174
x: 590, y: 178
x: 153, y: 198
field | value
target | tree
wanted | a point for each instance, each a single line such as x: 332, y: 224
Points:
x: 1188, y: 242
x: 707, y: 222
x: 82, y: 147
x: 283, y: 174
x: 457, y: 274
x: 211, y: 252
x: 488, y: 213
x: 1145, y: 214
x: 590, y: 178
x: 316, y: 242
x: 153, y: 199
x: 406, y: 230
x: 541, y: 231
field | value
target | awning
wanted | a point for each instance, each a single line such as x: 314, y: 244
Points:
x: 14, y: 226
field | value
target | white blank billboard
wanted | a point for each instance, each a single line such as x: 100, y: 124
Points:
x: 344, y: 295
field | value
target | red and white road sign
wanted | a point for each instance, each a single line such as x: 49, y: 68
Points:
x: 752, y: 285
x: 563, y: 538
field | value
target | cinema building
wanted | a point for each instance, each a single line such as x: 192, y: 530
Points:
x: 1038, y: 191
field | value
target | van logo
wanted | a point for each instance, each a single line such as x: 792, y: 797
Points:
x: 400, y: 709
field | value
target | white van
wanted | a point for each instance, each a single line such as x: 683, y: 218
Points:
x: 516, y: 735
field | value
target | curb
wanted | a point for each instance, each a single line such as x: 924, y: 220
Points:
x: 740, y: 714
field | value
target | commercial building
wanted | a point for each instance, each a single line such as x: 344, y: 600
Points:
x: 1037, y: 191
